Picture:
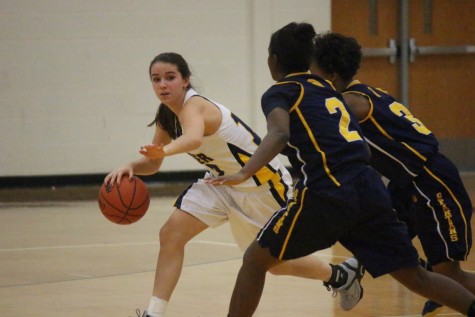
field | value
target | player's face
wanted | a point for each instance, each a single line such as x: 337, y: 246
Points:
x: 168, y: 83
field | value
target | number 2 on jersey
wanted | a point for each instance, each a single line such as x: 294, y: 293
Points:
x: 333, y: 104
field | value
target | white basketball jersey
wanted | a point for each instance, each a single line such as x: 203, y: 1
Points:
x: 227, y: 150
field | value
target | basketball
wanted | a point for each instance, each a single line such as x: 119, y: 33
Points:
x: 125, y: 203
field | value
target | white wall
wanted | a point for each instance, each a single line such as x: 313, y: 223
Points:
x: 74, y: 91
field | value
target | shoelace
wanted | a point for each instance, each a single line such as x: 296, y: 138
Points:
x: 329, y: 288
x: 137, y: 311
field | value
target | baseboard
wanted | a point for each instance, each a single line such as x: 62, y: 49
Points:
x: 18, y: 182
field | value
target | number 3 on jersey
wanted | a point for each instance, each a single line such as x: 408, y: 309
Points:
x: 401, y: 111
x: 334, y: 104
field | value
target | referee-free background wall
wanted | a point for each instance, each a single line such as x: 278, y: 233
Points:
x: 75, y: 97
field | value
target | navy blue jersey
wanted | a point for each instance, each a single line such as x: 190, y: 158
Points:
x: 400, y: 143
x: 326, y: 146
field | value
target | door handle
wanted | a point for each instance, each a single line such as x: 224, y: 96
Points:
x: 391, y: 51
x: 437, y: 50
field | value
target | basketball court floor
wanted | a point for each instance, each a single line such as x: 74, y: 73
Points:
x: 63, y: 258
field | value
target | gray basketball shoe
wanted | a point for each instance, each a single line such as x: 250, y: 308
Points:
x: 351, y: 292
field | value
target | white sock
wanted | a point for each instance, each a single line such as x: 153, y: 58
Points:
x: 156, y: 307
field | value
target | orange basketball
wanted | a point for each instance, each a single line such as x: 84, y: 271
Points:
x: 126, y: 203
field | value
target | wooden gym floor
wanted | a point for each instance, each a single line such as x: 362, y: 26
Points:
x: 63, y: 258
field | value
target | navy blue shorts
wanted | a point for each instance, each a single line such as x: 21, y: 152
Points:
x: 437, y: 208
x: 358, y: 214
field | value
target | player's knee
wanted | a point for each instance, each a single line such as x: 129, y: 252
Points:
x: 164, y: 236
x: 413, y: 278
x: 257, y: 258
x: 451, y: 269
x: 276, y: 270
x: 170, y: 237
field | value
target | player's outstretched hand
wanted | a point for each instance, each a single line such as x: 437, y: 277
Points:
x: 233, y: 179
x: 152, y: 151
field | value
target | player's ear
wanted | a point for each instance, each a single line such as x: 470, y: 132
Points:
x: 186, y: 83
x: 272, y: 61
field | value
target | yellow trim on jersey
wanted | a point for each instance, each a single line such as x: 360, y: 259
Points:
x: 264, y: 174
x: 299, y: 99
x: 267, y: 175
x: 382, y: 90
x: 297, y: 74
x: 353, y: 82
x: 309, y: 131
x: 314, y: 141
x: 278, y: 184
x: 316, y: 82
x: 286, y: 241
x: 392, y: 139
x: 428, y: 171
x: 419, y: 155
x: 381, y: 129
x: 371, y: 106
x: 374, y: 92
x: 331, y: 84
x: 370, y: 117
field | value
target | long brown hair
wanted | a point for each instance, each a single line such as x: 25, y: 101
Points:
x: 165, y: 118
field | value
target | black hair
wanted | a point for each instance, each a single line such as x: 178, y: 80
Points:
x: 336, y: 53
x: 165, y: 118
x: 293, y: 47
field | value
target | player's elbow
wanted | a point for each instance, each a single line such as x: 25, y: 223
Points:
x: 194, y: 143
x: 281, y: 137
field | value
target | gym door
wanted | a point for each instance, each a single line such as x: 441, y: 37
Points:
x: 422, y: 52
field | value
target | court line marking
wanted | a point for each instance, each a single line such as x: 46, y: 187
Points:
x: 78, y: 246
x: 445, y: 314
x: 323, y: 253
x: 109, y: 245
x: 85, y: 277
